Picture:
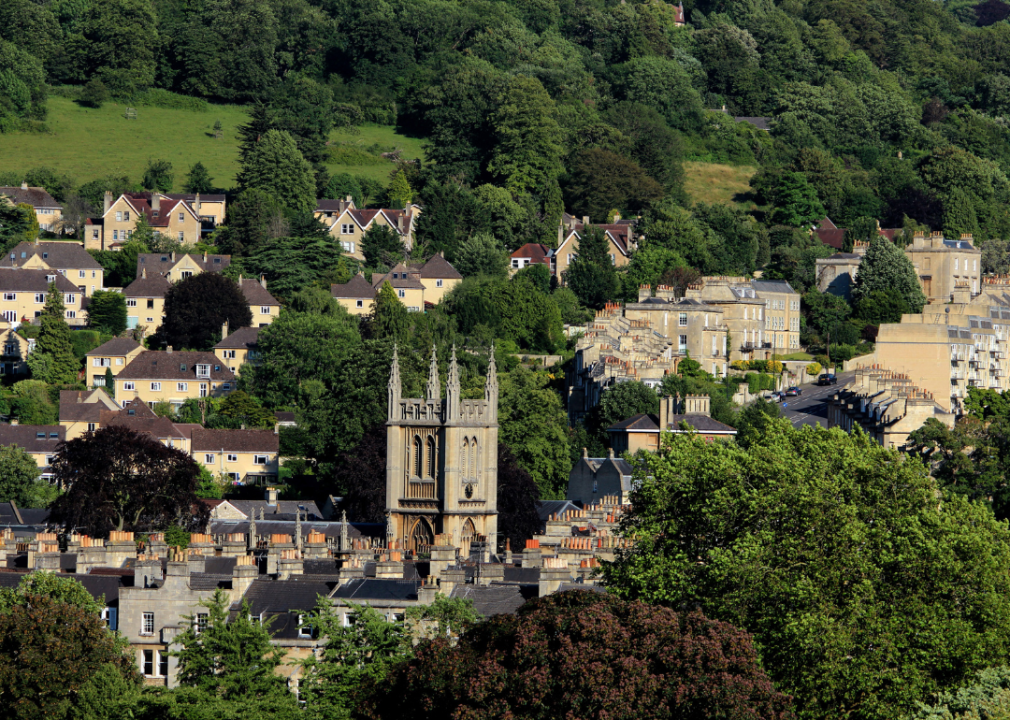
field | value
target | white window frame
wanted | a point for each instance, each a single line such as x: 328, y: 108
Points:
x: 129, y: 385
x: 232, y: 457
x: 147, y: 624
x: 200, y: 622
x: 182, y: 387
x: 155, y: 387
x: 438, y: 283
x: 40, y: 298
x: 401, y: 293
x: 304, y: 631
x: 71, y: 314
x: 10, y: 296
x: 119, y: 216
x: 203, y: 371
x: 264, y: 309
x: 82, y: 273
x: 208, y: 458
x: 261, y: 459
x: 131, y: 302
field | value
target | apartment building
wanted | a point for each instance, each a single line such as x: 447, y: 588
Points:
x: 69, y: 259
x: 23, y: 294
x: 886, y: 405
x: 174, y: 218
x: 950, y: 347
x: 695, y: 328
x: 173, y: 377
x: 762, y: 317
x: 113, y: 355
x: 48, y: 211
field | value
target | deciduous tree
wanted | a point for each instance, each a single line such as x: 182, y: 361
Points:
x: 381, y: 245
x: 107, y: 312
x: 885, y: 267
x: 118, y: 479
x: 19, y: 480
x: 518, y: 520
x: 197, y: 306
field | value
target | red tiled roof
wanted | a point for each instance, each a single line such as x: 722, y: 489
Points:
x: 363, y: 217
x: 536, y: 252
x: 832, y: 237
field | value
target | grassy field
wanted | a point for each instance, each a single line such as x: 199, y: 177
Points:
x: 713, y: 183
x: 87, y: 143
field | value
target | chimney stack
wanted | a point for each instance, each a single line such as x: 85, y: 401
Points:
x: 107, y: 202
x: 263, y: 281
x: 156, y: 204
x: 224, y: 329
x: 242, y: 575
x: 271, y: 496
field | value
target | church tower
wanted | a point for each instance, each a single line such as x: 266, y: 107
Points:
x: 442, y: 460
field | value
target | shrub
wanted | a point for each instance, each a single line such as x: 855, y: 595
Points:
x: 814, y: 368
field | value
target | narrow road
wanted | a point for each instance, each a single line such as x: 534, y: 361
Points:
x: 811, y: 407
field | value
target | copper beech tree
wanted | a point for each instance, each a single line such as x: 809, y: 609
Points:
x: 583, y: 654
x: 119, y: 479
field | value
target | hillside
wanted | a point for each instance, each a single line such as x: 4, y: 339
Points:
x: 89, y: 143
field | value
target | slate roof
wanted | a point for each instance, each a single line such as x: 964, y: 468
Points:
x: 650, y: 423
x: 158, y: 427
x: 772, y: 286
x: 191, y: 197
x: 283, y: 507
x: 35, y: 196
x: 72, y: 410
x: 546, y: 508
x: 284, y: 523
x: 398, y: 277
x: 27, y: 437
x: 115, y: 346
x: 623, y: 465
x: 153, y: 286
x: 266, y: 441
x: 23, y: 280
x: 361, y: 589
x: 10, y: 514
x: 137, y: 408
x: 34, y: 516
x: 243, y: 338
x: 163, y: 262
x: 57, y: 255
x: 256, y: 294
x: 521, y: 575
x: 437, y: 267
x: 496, y: 599
x: 356, y: 287
x: 299, y: 592
x: 163, y: 365
x: 330, y: 206
x: 761, y: 123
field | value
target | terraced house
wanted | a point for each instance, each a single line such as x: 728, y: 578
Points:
x: 350, y: 225
x: 114, y: 355
x: 246, y: 456
x: 237, y: 348
x: 173, y: 377
x: 23, y: 294
x: 145, y: 301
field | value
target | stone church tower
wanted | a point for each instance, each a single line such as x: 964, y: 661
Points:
x: 441, y: 461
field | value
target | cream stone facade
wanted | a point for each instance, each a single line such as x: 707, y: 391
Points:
x: 69, y: 259
x: 762, y: 317
x: 619, y: 241
x: 694, y: 328
x: 888, y: 406
x: 237, y: 348
x: 48, y: 211
x: 943, y: 264
x: 145, y: 302
x: 175, y: 266
x: 113, y: 355
x: 14, y: 350
x: 209, y: 207
x: 81, y: 410
x: 173, y: 218
x: 349, y: 225
x: 356, y: 296
x: 23, y: 294
x: 246, y: 456
x: 949, y: 348
x: 173, y: 377
x: 264, y: 307
x: 441, y: 462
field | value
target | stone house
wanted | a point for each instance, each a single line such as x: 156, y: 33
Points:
x: 145, y: 301
x: 237, y: 348
x: 113, y: 355
x: 14, y: 350
x: 173, y: 377
x: 592, y: 479
x: 69, y: 259
x: 263, y: 306
x: 179, y: 266
x: 23, y: 294
x: 357, y: 296
x: 48, y: 211
x: 246, y: 456
x: 81, y: 410
x: 620, y: 240
x: 688, y: 415
x: 174, y: 218
x: 39, y: 441
x: 531, y: 254
x: 349, y: 225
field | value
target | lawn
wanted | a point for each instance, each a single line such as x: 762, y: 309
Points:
x: 714, y: 183
x: 89, y: 143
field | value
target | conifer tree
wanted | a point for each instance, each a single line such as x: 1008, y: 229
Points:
x: 389, y: 318
x: 275, y: 164
x: 198, y: 180
x: 400, y: 192
x: 53, y: 359
x: 592, y: 276
x: 110, y: 383
x: 33, y: 229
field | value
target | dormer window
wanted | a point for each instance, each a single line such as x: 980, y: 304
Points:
x: 182, y: 368
x: 45, y: 256
x: 40, y: 436
x: 203, y: 371
x: 217, y: 261
x: 50, y: 278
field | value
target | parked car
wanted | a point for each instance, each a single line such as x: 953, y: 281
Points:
x: 793, y: 392
x: 775, y: 396
x: 826, y: 379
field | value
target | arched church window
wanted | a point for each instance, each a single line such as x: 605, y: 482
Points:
x: 418, y: 456
x: 463, y: 457
x: 473, y: 457
x: 432, y: 457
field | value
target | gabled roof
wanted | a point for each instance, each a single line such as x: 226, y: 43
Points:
x: 242, y: 339
x: 536, y: 252
x: 116, y: 346
x: 761, y: 123
x: 437, y: 268
x: 162, y: 365
x: 496, y: 599
x: 265, y: 441
x: 191, y: 197
x: 323, y: 205
x: 361, y: 589
x: 143, y: 203
x: 256, y: 294
x: 618, y: 233
x: 650, y: 423
x: 137, y: 408
x: 678, y: 14
x: 356, y: 287
x: 299, y: 592
x: 158, y: 427
x: 285, y: 508
x: 399, y: 277
x: 362, y: 217
x: 163, y: 262
x: 84, y: 405
x: 154, y: 285
x: 33, y: 438
x: 23, y: 280
x: 35, y: 196
x: 57, y: 255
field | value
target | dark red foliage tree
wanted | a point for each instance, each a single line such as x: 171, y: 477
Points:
x: 195, y: 309
x: 48, y: 650
x: 361, y: 476
x: 991, y: 12
x: 119, y: 479
x: 588, y: 655
x: 517, y: 501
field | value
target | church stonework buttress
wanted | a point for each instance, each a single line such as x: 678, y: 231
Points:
x: 441, y: 460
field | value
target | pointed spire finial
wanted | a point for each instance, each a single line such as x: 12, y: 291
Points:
x: 434, y: 389
x: 491, y: 386
x: 393, y: 410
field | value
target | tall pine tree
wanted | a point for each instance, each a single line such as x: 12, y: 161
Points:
x: 275, y: 164
x: 592, y: 276
x: 53, y: 359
